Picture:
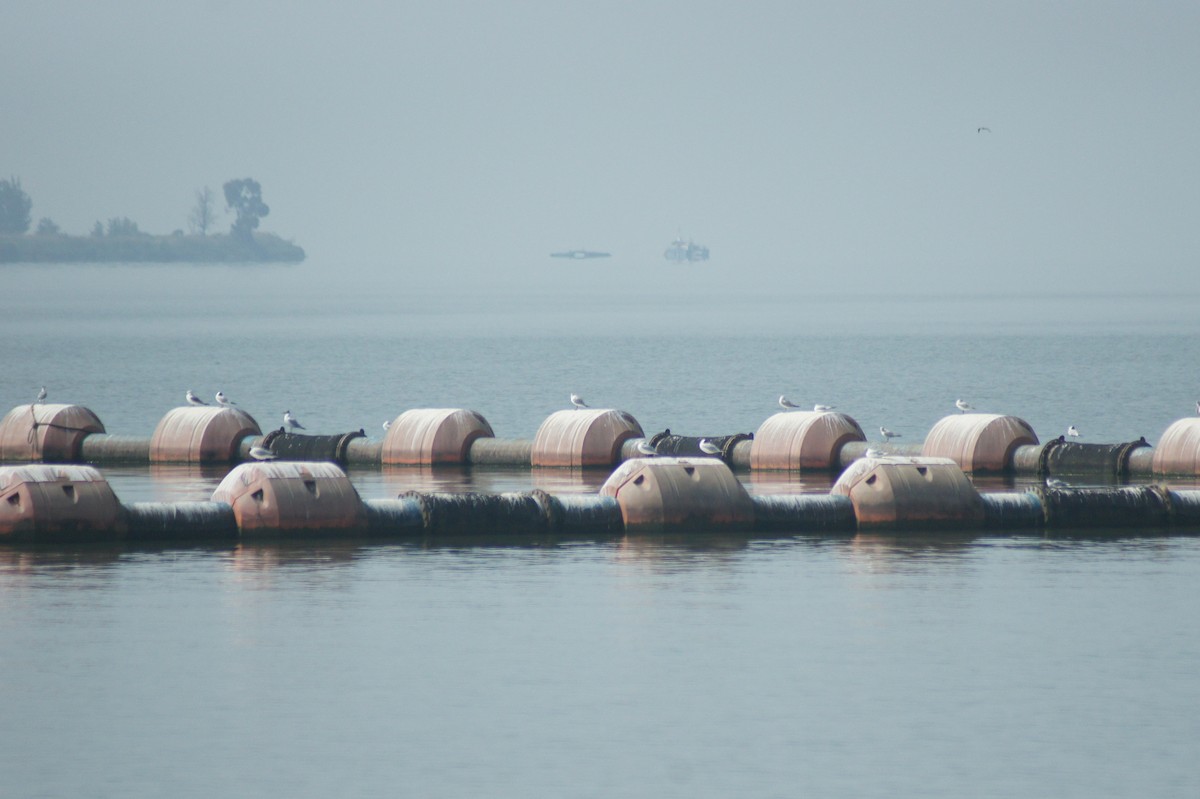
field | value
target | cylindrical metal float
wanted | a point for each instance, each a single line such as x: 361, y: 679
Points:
x: 800, y: 440
x: 803, y: 513
x: 54, y: 502
x: 180, y: 522
x: 679, y: 494
x: 300, y: 447
x: 425, y: 436
x: 106, y: 448
x: 1178, y: 451
x: 288, y: 496
x: 201, y: 435
x: 1147, y: 507
x: 49, y: 433
x: 978, y: 442
x: 921, y: 493
x: 583, y: 437
x: 495, y: 452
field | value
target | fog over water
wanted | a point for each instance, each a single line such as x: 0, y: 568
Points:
x: 832, y: 146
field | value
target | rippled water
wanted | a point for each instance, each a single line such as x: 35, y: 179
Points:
x: 688, y: 666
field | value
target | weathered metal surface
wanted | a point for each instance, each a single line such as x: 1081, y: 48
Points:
x: 58, y: 503
x: 1012, y: 510
x: 180, y: 522
x: 583, y: 437
x: 201, y: 435
x: 1147, y: 507
x: 679, y: 494
x: 49, y: 433
x: 799, y: 440
x: 105, y: 448
x: 978, y: 442
x: 496, y: 452
x: 803, y: 513
x: 923, y: 493
x: 302, y: 447
x: 284, y: 496
x: 1178, y: 451
x: 433, y: 435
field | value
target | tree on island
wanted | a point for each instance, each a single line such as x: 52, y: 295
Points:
x: 244, y: 197
x: 48, y: 227
x: 204, y: 212
x: 15, y: 206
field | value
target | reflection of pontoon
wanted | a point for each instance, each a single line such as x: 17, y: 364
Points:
x: 681, y: 250
x: 580, y: 254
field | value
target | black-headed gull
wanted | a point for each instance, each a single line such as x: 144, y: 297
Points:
x: 709, y: 448
x: 1073, y: 431
x: 290, y: 422
x: 823, y: 408
x: 644, y: 448
x: 387, y: 425
x: 42, y: 396
x: 888, y: 435
x: 578, y: 402
x: 224, y: 401
x: 963, y: 406
x: 786, y: 403
x: 193, y: 399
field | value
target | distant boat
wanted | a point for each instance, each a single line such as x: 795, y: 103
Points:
x: 681, y: 251
x: 579, y: 255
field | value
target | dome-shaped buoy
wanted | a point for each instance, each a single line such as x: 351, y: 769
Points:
x: 433, y: 435
x: 286, y: 496
x: 1178, y: 452
x: 583, y: 437
x: 201, y: 435
x: 54, y: 502
x: 800, y: 440
x: 890, y: 492
x: 51, y: 433
x: 978, y: 442
x: 679, y: 494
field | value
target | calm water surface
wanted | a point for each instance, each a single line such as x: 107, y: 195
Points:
x: 851, y: 666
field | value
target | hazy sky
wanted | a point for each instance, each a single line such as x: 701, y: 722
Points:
x: 831, y: 142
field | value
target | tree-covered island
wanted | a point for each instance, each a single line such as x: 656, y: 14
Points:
x: 120, y: 240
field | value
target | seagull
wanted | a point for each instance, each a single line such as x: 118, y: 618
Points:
x: 644, y: 448
x: 873, y: 453
x: 709, y: 448
x: 983, y: 130
x: 963, y: 406
x: 578, y: 402
x: 223, y: 400
x: 888, y: 435
x: 788, y: 405
x: 1197, y: 404
x: 1073, y: 431
x: 1054, y: 482
x: 387, y: 424
x: 823, y: 408
x: 262, y: 454
x: 290, y: 422
x: 193, y: 399
x: 42, y: 397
